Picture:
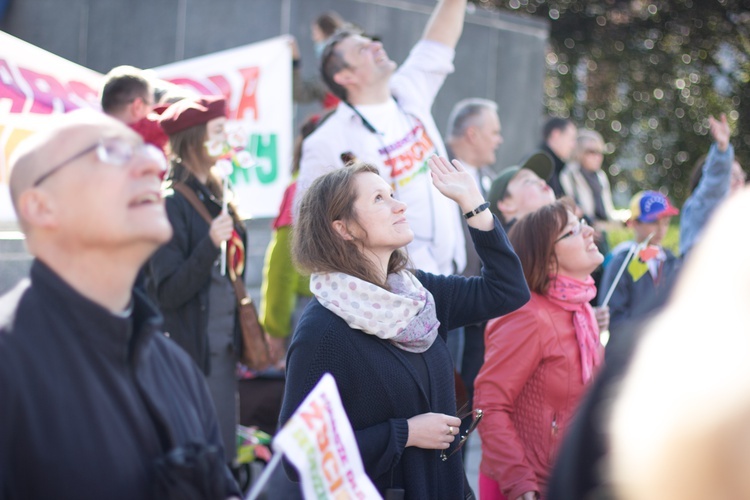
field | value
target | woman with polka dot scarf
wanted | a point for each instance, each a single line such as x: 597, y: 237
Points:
x: 379, y: 327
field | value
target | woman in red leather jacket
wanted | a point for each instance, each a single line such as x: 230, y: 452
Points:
x: 540, y: 358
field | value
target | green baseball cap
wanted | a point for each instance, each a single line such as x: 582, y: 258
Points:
x: 540, y: 163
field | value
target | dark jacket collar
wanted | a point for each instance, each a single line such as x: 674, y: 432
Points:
x: 204, y: 194
x: 119, y: 338
x: 559, y: 164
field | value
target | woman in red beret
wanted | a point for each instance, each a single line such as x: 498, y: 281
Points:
x: 185, y: 278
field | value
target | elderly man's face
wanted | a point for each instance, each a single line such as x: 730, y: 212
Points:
x: 488, y: 138
x: 109, y: 196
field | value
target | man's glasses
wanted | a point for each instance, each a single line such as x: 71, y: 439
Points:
x: 582, y: 224
x: 462, y: 414
x: 112, y: 151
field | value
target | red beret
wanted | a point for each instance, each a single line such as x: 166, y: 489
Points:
x: 192, y: 111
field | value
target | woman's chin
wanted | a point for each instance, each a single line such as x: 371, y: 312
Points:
x: 401, y: 242
x: 596, y: 261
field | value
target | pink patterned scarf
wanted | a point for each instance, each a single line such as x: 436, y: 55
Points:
x: 574, y: 295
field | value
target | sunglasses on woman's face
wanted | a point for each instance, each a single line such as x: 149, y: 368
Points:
x: 462, y: 414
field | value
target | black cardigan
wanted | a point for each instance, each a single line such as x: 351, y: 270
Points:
x: 379, y: 386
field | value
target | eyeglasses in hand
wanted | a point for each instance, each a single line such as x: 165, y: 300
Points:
x: 462, y: 413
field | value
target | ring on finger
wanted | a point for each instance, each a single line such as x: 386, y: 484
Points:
x: 450, y: 430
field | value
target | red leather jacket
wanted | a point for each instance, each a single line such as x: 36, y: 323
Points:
x: 528, y: 388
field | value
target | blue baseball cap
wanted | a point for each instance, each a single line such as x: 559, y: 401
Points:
x: 650, y: 206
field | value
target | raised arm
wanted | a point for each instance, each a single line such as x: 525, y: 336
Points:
x: 713, y: 186
x: 720, y: 131
x: 446, y: 22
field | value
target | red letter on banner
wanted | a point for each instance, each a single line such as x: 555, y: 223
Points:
x: 248, y: 101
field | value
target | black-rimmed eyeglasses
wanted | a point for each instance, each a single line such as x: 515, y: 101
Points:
x: 462, y: 414
x: 112, y: 151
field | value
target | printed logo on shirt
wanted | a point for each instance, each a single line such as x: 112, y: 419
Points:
x: 407, y: 157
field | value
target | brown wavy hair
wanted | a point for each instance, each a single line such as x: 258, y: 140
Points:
x: 533, y: 239
x: 187, y: 150
x: 317, y: 247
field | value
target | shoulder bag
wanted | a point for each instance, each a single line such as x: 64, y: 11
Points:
x: 255, y: 352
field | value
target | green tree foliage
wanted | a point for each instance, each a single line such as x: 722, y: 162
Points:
x: 646, y: 74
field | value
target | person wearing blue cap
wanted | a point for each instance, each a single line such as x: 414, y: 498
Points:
x: 651, y: 269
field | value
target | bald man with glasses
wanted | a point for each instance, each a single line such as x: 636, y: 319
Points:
x: 96, y: 401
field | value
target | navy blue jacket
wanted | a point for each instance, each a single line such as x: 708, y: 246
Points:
x: 630, y: 296
x: 379, y: 386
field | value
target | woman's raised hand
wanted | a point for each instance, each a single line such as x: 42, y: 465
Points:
x: 459, y: 185
x: 432, y: 431
x: 455, y: 182
x: 720, y: 131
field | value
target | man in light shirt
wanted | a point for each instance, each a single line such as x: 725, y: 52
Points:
x: 385, y: 120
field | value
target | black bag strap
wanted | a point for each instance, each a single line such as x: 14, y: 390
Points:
x: 192, y: 198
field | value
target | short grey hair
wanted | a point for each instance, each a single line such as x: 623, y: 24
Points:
x: 584, y: 139
x: 466, y: 113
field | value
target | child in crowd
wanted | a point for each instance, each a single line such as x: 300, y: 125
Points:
x: 651, y: 269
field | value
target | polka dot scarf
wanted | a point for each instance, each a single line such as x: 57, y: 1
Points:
x: 405, y: 316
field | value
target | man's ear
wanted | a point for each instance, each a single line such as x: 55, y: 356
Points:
x: 554, y: 135
x: 344, y: 78
x: 138, y: 107
x: 37, y: 208
x: 342, y: 230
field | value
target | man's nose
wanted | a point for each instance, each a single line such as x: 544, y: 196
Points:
x: 150, y: 160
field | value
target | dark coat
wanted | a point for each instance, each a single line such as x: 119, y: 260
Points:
x: 179, y: 274
x: 89, y: 400
x: 640, y: 296
x: 554, y: 180
x: 379, y: 385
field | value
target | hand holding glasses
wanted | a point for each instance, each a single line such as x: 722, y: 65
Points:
x: 462, y: 413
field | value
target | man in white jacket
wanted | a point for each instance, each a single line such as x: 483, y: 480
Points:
x: 384, y: 119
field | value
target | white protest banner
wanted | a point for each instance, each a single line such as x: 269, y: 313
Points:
x: 256, y: 79
x: 35, y: 84
x: 318, y: 440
